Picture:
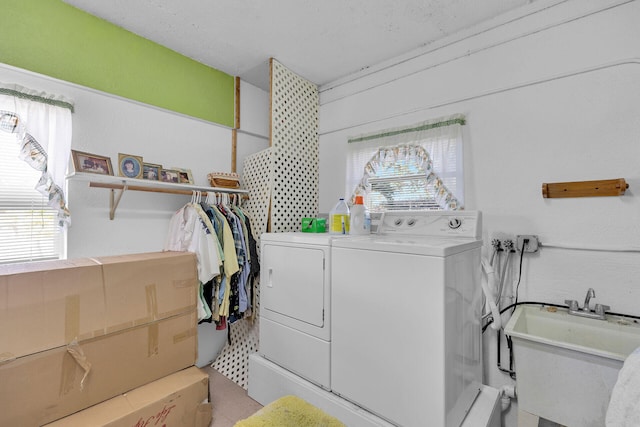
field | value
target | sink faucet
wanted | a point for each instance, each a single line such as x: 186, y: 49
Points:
x: 598, y: 313
x: 590, y: 294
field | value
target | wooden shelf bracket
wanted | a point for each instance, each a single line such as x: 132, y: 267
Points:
x: 600, y: 188
x: 115, y: 200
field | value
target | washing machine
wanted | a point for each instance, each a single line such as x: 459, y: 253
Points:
x: 295, y: 297
x: 406, y: 309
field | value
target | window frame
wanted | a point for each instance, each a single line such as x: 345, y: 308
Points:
x: 441, y: 137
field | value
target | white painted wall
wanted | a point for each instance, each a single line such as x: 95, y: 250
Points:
x: 253, y: 135
x: 550, y: 95
x: 108, y: 125
x: 254, y: 109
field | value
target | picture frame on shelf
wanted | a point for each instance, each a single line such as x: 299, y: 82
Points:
x: 169, y: 175
x: 184, y: 175
x: 151, y: 171
x: 130, y: 166
x: 91, y: 163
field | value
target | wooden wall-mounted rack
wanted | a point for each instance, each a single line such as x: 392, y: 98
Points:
x: 607, y: 187
x: 123, y: 184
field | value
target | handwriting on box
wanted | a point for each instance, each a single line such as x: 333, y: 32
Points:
x: 157, y: 419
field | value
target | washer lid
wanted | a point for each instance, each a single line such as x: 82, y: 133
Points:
x: 417, y: 245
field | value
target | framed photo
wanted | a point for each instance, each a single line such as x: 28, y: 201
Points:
x: 92, y: 163
x: 151, y: 171
x: 184, y: 175
x: 169, y: 175
x: 130, y: 165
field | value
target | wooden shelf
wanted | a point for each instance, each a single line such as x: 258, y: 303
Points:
x: 607, y: 187
x: 123, y: 184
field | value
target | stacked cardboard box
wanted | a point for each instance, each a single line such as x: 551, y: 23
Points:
x: 79, y: 332
x: 172, y: 401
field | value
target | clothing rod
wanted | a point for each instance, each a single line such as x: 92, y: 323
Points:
x: 631, y: 61
x: 167, y: 190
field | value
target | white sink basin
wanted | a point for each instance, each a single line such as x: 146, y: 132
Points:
x: 613, y: 338
x: 566, y: 365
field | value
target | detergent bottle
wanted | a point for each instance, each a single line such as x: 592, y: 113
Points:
x: 339, y: 218
x: 360, y: 222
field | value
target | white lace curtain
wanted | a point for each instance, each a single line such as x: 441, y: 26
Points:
x: 434, y: 145
x: 41, y: 126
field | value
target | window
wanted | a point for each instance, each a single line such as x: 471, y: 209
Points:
x: 35, y: 139
x: 415, y: 167
x: 28, y: 227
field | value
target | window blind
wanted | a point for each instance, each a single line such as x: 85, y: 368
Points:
x: 28, y: 227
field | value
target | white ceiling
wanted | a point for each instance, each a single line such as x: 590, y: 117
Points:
x: 321, y: 40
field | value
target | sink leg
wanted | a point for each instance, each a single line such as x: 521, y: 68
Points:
x: 526, y: 419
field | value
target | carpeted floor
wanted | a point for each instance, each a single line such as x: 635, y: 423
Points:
x: 230, y: 401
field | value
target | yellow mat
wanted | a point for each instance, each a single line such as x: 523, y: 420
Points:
x: 290, y: 411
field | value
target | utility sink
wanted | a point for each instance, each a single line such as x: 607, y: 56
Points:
x: 566, y: 365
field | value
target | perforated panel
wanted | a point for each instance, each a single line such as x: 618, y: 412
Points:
x: 257, y: 177
x: 233, y: 362
x: 294, y: 140
x: 283, y: 183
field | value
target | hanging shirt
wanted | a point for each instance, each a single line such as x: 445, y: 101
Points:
x: 253, y: 265
x: 217, y: 227
x: 230, y: 265
x: 243, y: 296
x: 187, y: 232
x: 237, y: 289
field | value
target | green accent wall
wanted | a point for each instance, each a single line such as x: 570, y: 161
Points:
x: 53, y: 38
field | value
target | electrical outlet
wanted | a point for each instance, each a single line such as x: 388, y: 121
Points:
x: 527, y: 243
x: 507, y: 245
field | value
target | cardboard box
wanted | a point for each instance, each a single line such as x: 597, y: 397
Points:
x: 140, y: 288
x: 46, y: 386
x: 48, y: 304
x: 173, y: 401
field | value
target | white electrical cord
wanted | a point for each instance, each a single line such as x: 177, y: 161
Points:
x: 493, y: 255
x: 502, y: 277
x: 491, y: 299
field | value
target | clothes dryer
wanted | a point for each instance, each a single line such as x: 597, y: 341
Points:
x: 406, y: 309
x: 295, y: 296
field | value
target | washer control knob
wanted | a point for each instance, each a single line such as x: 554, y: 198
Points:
x: 411, y: 222
x: 398, y: 222
x: 455, y: 223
